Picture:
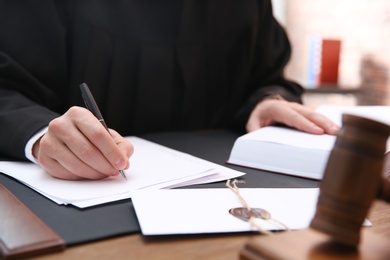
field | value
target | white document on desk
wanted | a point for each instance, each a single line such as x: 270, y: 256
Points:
x: 153, y: 166
x: 202, y: 211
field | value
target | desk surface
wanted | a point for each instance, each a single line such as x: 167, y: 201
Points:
x: 136, y: 246
x: 124, y: 238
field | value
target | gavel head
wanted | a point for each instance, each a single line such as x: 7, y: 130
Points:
x: 352, y: 179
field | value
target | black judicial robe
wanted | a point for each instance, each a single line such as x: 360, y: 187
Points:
x: 152, y: 65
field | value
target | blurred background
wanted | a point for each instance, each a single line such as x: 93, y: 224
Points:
x: 341, y: 49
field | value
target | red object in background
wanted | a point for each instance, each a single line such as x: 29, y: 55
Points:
x: 330, y: 58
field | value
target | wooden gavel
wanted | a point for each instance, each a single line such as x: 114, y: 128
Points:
x: 356, y: 174
x: 353, y: 178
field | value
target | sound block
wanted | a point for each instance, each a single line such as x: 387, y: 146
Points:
x: 314, y: 245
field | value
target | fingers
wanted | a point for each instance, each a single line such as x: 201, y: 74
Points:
x: 297, y: 120
x: 77, y: 145
x: 310, y: 121
x: 295, y: 115
x: 126, y: 147
x: 96, y: 146
x: 56, y: 159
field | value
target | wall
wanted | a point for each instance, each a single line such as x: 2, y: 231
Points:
x: 364, y: 28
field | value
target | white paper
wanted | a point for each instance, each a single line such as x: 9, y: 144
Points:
x: 201, y: 211
x: 152, y: 167
x: 196, y: 211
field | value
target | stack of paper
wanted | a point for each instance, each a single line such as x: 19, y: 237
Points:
x: 152, y: 167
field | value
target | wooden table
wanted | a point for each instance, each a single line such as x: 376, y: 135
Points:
x: 190, y: 247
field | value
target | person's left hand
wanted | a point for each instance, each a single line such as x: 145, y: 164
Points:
x: 271, y: 111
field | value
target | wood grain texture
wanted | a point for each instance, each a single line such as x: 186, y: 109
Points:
x: 22, y: 233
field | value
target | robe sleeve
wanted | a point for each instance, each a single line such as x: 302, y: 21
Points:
x: 271, y: 52
x: 32, y: 66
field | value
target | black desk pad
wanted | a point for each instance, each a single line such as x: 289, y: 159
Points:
x: 76, y: 226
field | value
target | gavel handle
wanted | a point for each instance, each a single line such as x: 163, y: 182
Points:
x: 384, y: 189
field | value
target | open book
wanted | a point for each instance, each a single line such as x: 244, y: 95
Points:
x: 289, y: 151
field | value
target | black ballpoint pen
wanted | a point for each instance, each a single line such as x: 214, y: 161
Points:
x: 92, y: 106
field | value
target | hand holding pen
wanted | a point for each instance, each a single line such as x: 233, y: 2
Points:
x: 77, y: 146
x: 92, y: 106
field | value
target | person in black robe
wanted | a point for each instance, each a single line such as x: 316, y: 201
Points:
x: 152, y: 66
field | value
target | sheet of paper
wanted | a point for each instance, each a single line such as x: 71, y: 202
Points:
x: 196, y: 211
x: 152, y: 167
x: 201, y: 211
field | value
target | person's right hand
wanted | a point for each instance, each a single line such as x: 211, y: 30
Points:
x: 78, y: 146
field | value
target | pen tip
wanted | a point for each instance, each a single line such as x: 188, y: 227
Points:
x: 123, y: 174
